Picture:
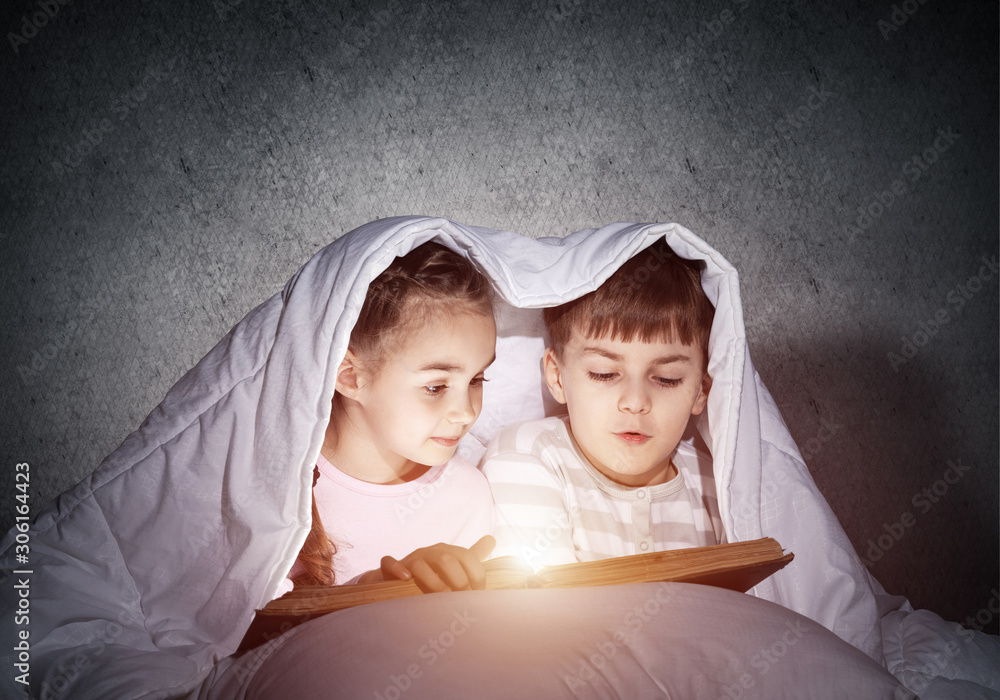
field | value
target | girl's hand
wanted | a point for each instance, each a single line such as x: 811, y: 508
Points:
x: 442, y: 567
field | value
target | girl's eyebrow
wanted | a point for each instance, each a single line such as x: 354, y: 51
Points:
x: 446, y: 367
x: 440, y: 367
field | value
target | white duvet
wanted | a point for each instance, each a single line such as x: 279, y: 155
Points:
x: 145, y: 576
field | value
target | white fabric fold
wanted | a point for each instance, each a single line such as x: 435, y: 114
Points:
x: 148, y: 572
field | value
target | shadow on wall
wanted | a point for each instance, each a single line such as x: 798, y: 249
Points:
x: 892, y: 453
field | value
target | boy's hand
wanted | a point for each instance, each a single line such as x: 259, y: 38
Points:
x: 442, y: 567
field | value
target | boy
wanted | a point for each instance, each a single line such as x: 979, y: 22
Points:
x: 612, y: 478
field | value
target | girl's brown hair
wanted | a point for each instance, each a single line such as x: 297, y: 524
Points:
x: 430, y: 279
x: 316, y: 555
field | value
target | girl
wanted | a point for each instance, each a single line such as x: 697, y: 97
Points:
x: 395, y: 499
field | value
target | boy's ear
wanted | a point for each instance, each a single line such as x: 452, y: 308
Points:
x: 553, y: 375
x: 349, y: 376
x: 702, y: 399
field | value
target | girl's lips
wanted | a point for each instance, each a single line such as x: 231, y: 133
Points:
x: 447, y: 442
x: 633, y: 438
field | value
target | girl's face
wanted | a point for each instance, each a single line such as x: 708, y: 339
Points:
x: 411, y: 414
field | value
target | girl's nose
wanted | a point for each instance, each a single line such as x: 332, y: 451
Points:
x: 464, y: 409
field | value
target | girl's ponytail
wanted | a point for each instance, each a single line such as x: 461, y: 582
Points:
x: 316, y: 555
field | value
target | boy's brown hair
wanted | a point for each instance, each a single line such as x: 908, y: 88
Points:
x: 655, y: 295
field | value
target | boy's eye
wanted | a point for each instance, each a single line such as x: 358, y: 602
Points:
x: 601, y: 376
x: 668, y: 382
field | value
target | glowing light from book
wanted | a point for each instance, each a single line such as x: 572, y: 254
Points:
x: 531, y: 559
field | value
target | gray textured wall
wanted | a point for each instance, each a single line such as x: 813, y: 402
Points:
x: 167, y: 166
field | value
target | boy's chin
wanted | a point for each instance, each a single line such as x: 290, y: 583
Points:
x: 652, y: 476
x: 634, y: 482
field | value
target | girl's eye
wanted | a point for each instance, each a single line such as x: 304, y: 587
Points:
x: 478, y: 381
x: 601, y: 376
x: 667, y: 382
x: 435, y: 389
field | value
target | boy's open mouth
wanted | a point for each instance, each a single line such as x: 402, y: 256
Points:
x: 633, y: 438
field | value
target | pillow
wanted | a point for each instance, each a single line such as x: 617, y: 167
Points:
x: 940, y: 659
x: 631, y: 641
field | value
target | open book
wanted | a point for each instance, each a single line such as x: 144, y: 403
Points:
x: 738, y: 566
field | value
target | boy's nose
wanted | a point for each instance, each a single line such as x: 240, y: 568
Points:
x: 634, y: 399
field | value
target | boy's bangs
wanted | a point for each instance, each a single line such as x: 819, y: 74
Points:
x: 644, y: 322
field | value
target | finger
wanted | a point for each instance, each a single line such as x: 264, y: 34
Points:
x: 475, y: 571
x: 453, y: 569
x: 483, y: 547
x: 426, y: 578
x: 394, y: 569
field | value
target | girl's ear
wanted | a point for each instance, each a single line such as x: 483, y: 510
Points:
x: 702, y: 399
x: 553, y: 375
x: 349, y: 376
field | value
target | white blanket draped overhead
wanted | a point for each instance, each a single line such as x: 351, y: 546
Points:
x: 148, y: 572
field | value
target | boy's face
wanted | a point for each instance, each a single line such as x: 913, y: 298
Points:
x: 629, y: 402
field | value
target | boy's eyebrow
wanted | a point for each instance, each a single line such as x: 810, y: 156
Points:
x: 603, y: 353
x: 665, y: 360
